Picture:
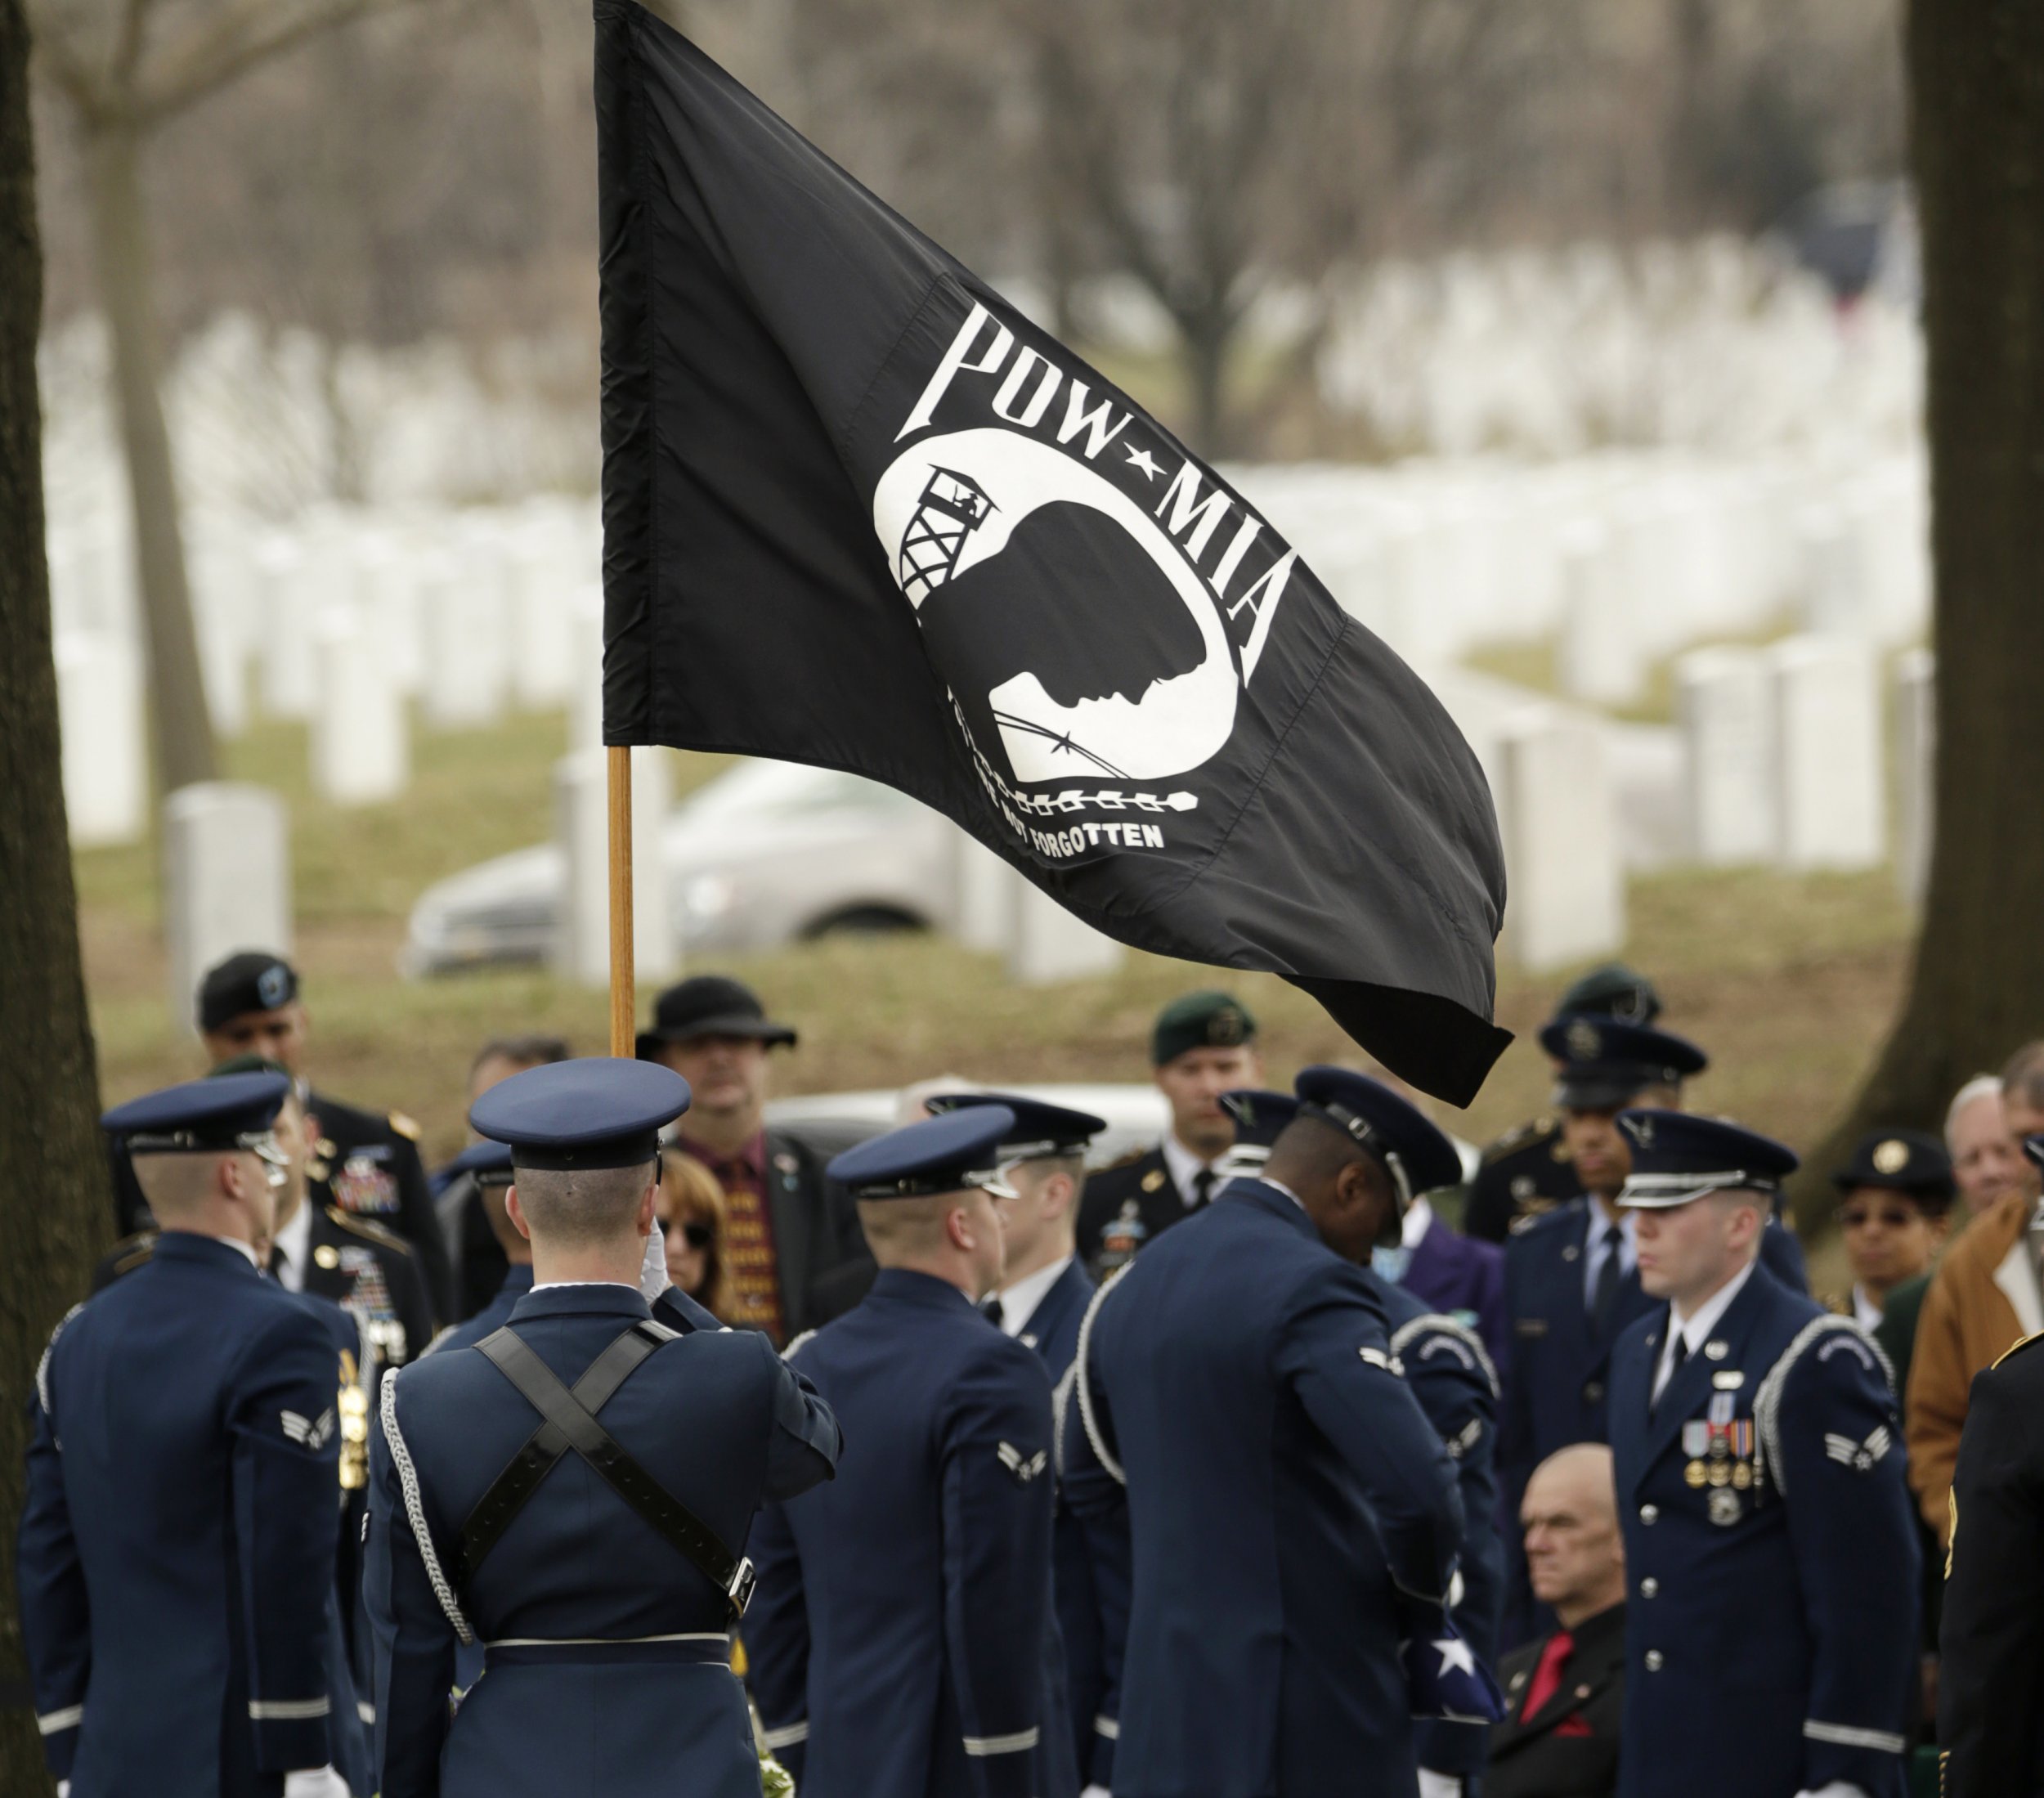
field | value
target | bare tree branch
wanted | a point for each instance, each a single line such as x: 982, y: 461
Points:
x: 238, y: 35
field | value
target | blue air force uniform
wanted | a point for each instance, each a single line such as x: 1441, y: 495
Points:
x: 1293, y: 1510
x: 175, y: 1561
x: 603, y: 1590
x: 1770, y: 1547
x: 902, y: 1643
x: 1089, y: 1566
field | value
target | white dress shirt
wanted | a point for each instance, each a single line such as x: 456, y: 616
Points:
x: 1694, y: 1331
x: 1019, y: 1302
x: 1596, y: 1249
x: 1185, y: 1167
x: 1413, y: 1227
x: 293, y: 1248
x: 1865, y: 1313
x: 235, y: 1242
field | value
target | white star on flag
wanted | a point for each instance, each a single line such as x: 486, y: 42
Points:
x: 1141, y: 458
x: 1455, y: 1655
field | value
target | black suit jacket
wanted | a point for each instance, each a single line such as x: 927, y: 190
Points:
x: 367, y: 1163
x: 819, y: 1251
x: 1534, y: 1757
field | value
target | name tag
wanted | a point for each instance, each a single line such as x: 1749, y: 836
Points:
x: 1529, y: 1326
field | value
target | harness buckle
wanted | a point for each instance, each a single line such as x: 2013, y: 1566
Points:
x: 738, y: 1590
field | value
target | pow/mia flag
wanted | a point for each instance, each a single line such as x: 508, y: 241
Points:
x: 858, y: 512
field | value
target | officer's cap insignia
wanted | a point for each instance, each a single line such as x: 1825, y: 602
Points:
x: 1892, y: 1156
x: 1153, y: 1180
x: 1726, y: 1507
x: 311, y: 1434
x: 1227, y: 1028
x: 1025, y: 1468
x: 1859, y: 1456
x: 1583, y: 1040
x: 1640, y: 1127
x: 327, y: 1256
x: 273, y: 986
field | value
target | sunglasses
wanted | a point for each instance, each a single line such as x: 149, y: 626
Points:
x: 697, y: 1235
x: 1895, y: 1218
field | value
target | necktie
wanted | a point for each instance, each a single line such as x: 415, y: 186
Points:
x: 1547, y: 1673
x: 1605, y: 1291
x: 276, y: 1265
x: 1202, y: 1187
x: 1677, y: 1355
x: 991, y: 1311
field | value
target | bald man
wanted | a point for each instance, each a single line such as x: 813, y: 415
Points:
x: 1565, y: 1691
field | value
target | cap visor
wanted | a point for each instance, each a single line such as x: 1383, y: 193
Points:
x: 759, y: 1029
x: 1597, y: 1095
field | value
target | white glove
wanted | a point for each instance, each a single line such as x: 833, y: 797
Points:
x: 1096, y: 1791
x: 1440, y: 1785
x: 1837, y: 1788
x: 314, y: 1782
x: 653, y: 1277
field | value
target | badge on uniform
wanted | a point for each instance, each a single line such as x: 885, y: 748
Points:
x: 1727, y: 1507
x: 362, y: 1184
x: 1859, y: 1456
x: 308, y: 1433
x: 1025, y: 1468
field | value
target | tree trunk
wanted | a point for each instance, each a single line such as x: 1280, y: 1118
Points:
x: 60, y: 1210
x: 183, y: 730
x: 1976, y: 80
x: 1205, y: 351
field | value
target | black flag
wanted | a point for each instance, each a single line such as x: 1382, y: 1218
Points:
x: 858, y: 512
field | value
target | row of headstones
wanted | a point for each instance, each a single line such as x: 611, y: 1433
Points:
x: 227, y: 874
x: 1784, y: 764
x: 1620, y: 561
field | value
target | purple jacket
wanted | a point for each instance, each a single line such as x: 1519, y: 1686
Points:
x: 1465, y: 1279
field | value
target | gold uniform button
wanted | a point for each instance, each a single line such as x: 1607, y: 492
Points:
x: 327, y: 1256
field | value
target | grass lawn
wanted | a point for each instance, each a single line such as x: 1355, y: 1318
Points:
x: 1789, y: 982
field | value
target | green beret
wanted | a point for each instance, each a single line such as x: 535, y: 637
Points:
x: 1200, y: 1020
x: 1614, y: 990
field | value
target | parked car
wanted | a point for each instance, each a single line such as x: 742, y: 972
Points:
x: 767, y: 854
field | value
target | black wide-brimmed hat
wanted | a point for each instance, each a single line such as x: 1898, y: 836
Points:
x: 709, y: 1005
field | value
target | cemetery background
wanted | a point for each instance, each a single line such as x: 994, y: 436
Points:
x: 1534, y: 411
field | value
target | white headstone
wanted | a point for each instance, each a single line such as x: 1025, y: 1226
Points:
x: 1835, y: 597
x: 1916, y: 753
x: 581, y: 926
x: 102, y: 716
x: 1562, y: 867
x: 465, y: 620
x: 284, y: 649
x: 1050, y: 944
x: 543, y: 572
x: 361, y: 737
x: 585, y: 669
x: 1725, y: 709
x: 1600, y: 658
x: 987, y: 895
x: 1832, y: 795
x: 227, y: 882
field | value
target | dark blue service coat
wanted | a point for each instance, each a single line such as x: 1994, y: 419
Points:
x: 1089, y: 1565
x: 1559, y: 1370
x: 902, y: 1643
x: 608, y: 1653
x: 517, y: 1282
x: 1282, y: 1486
x: 177, y: 1553
x: 1771, y: 1621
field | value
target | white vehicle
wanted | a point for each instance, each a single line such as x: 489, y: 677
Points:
x: 767, y: 854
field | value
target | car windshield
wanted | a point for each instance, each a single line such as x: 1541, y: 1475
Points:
x: 757, y: 789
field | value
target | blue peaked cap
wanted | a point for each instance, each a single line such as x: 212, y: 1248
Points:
x: 599, y: 1112
x: 489, y: 1162
x: 1419, y: 1157
x: 230, y: 1111
x: 1677, y: 1156
x: 1260, y: 1115
x: 1041, y: 1129
x: 944, y: 1154
x: 1605, y: 1062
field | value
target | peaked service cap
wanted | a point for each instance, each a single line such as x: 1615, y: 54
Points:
x: 601, y: 1111
x: 1677, y: 1156
x: 948, y: 1153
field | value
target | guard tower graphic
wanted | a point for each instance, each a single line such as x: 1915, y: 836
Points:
x: 951, y: 507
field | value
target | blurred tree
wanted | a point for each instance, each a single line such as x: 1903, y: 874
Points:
x: 127, y: 67
x: 1976, y: 91
x: 48, y: 1089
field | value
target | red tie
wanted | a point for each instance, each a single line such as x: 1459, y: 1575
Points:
x: 1547, y: 1675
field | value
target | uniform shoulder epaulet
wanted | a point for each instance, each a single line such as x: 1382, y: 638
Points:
x: 133, y: 1251
x: 2022, y: 1342
x: 367, y: 1228
x: 405, y: 1126
x: 1520, y: 1136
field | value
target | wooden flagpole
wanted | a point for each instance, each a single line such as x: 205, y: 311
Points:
x: 623, y: 1007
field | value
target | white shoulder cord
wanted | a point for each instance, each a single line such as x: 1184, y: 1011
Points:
x: 415, y: 1510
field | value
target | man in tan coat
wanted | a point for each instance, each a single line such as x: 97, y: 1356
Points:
x: 1985, y: 1297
